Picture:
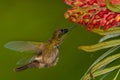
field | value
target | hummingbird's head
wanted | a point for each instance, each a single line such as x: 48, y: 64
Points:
x: 60, y: 33
x: 63, y: 31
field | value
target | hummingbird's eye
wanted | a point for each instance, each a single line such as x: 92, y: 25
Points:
x: 62, y: 30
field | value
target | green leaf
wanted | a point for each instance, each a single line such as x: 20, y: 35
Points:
x: 115, y: 8
x: 115, y: 78
x: 99, y: 46
x: 101, y: 72
x: 104, y: 76
x: 105, y: 62
x: 109, y: 36
x: 113, y: 30
x: 100, y: 58
x: 106, y: 70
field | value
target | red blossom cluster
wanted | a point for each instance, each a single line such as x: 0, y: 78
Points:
x: 92, y: 13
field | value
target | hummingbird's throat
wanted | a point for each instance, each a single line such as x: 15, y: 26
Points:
x: 55, y: 42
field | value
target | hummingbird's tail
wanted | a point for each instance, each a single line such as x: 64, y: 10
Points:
x: 30, y: 65
x: 22, y: 68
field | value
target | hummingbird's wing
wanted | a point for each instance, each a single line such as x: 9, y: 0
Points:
x: 27, y: 59
x: 23, y: 46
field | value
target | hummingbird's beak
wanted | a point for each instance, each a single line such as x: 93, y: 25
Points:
x: 68, y: 29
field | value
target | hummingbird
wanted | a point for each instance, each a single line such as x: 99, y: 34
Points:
x: 46, y: 53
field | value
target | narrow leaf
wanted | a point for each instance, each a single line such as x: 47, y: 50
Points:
x: 105, y: 62
x: 100, y: 58
x: 104, y: 76
x: 106, y: 32
x: 115, y: 78
x: 109, y: 36
x: 101, y: 72
x: 100, y: 46
x: 107, y: 70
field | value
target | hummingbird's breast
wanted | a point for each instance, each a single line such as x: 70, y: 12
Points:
x: 49, y: 56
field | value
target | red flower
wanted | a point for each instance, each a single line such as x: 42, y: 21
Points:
x: 92, y: 13
x: 115, y: 2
